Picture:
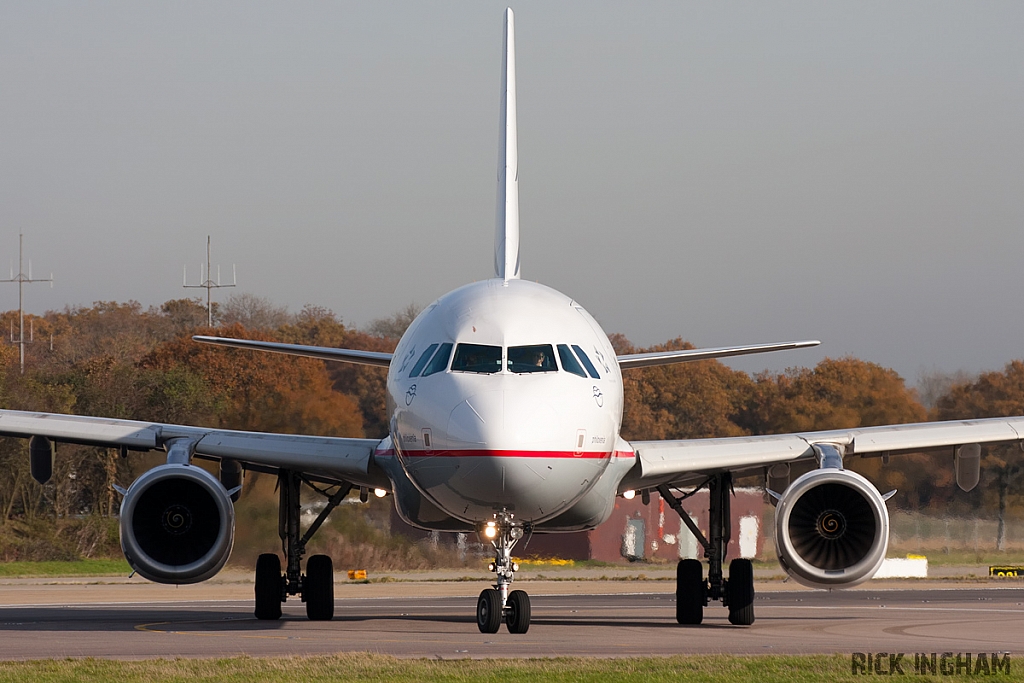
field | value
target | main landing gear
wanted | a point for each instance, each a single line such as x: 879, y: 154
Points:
x: 692, y: 591
x: 497, y: 602
x: 316, y: 586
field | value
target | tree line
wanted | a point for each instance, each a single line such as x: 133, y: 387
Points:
x: 122, y: 360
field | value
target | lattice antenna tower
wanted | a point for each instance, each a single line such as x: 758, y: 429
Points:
x: 23, y: 280
x: 208, y: 284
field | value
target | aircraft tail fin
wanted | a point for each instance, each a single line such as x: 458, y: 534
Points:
x: 506, y: 235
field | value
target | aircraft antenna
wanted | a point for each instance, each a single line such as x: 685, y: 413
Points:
x: 22, y: 280
x: 208, y: 284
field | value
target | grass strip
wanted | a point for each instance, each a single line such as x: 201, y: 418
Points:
x: 65, y: 569
x: 373, y: 667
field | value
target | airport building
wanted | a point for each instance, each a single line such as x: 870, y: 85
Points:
x: 637, y: 532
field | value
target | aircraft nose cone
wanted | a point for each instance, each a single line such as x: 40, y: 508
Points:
x: 534, y: 423
x: 500, y: 420
x: 477, y: 421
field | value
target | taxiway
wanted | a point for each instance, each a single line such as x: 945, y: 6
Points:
x: 585, y: 619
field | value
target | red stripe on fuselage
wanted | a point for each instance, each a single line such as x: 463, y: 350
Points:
x: 486, y: 453
x: 504, y: 454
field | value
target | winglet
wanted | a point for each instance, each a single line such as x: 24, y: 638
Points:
x: 506, y: 235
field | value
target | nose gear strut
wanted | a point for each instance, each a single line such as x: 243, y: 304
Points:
x: 498, y: 602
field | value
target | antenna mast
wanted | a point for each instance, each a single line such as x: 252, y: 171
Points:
x: 208, y: 284
x: 23, y: 279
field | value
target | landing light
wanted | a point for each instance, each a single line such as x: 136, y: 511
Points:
x: 491, y: 530
x: 629, y: 495
x: 380, y: 493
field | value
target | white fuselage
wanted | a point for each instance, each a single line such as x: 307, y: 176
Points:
x: 478, y: 430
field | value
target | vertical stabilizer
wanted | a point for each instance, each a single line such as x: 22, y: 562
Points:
x: 506, y: 235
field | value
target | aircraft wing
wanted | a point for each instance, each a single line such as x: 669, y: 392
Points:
x: 375, y: 358
x: 689, y: 460
x: 644, y: 360
x: 331, y: 458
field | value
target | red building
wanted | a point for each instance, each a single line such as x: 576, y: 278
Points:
x: 637, y: 532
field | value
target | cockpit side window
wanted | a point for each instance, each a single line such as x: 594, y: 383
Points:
x: 440, y: 360
x: 421, y: 363
x: 569, y: 362
x: 477, y: 358
x: 586, y: 361
x: 536, y: 358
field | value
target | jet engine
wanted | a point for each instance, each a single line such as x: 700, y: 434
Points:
x: 831, y: 529
x: 177, y: 524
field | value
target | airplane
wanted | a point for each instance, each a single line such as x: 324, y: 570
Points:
x: 505, y: 401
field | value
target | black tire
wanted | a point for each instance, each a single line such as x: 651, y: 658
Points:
x: 691, y: 593
x: 268, y: 587
x: 739, y: 592
x: 488, y: 611
x: 318, y: 588
x: 517, y: 612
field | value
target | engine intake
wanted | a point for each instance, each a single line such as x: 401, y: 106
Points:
x: 831, y: 529
x: 177, y: 524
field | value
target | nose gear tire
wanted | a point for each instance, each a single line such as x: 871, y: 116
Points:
x: 517, y: 613
x: 488, y: 611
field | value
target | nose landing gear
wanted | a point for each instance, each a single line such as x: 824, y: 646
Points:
x: 497, y: 603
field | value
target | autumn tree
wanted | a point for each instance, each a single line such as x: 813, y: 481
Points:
x: 835, y: 394
x: 993, y: 394
x: 366, y: 385
x: 843, y: 393
x: 122, y: 331
x: 257, y: 391
x: 682, y: 400
x: 186, y: 315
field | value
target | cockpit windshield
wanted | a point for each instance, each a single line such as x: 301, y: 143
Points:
x: 536, y: 358
x: 422, y: 362
x: 440, y: 360
x: 586, y: 361
x: 477, y: 358
x: 569, y: 362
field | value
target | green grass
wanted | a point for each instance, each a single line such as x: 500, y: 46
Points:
x: 372, y: 667
x: 65, y: 569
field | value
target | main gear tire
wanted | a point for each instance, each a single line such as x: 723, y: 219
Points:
x: 690, y: 592
x: 318, y: 588
x: 739, y: 592
x: 268, y: 587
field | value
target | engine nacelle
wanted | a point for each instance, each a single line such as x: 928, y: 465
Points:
x: 831, y: 529
x: 177, y: 524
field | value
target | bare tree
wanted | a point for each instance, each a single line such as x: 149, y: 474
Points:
x: 395, y: 325
x: 934, y: 384
x: 253, y: 312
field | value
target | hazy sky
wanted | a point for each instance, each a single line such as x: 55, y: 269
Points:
x: 725, y: 172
